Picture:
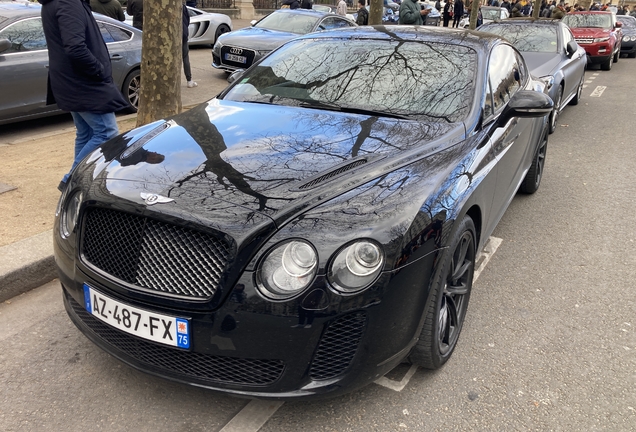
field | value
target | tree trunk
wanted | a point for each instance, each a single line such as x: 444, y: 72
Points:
x: 375, y: 12
x: 536, y: 9
x: 474, y: 13
x: 161, y: 59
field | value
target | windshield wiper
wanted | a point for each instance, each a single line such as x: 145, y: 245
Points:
x: 332, y: 107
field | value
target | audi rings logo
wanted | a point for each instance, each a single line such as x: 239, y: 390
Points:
x: 237, y: 51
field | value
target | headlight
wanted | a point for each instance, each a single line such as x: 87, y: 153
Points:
x: 603, y: 39
x: 216, y: 49
x: 68, y: 221
x: 548, y: 81
x: 356, y: 267
x: 287, y: 270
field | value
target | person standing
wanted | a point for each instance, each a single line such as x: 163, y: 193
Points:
x: 79, y: 76
x: 110, y: 8
x: 185, y: 49
x: 342, y: 8
x: 458, y: 12
x: 136, y: 9
x: 411, y: 13
x: 448, y: 12
x: 363, y: 14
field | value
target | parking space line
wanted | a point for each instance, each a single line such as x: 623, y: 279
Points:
x: 253, y: 416
x: 598, y: 91
x: 489, y: 250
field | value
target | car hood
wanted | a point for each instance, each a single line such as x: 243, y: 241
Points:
x: 542, y: 64
x: 257, y: 38
x: 590, y: 32
x: 273, y: 160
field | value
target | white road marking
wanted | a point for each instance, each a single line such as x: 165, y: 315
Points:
x: 584, y: 85
x: 598, y: 91
x: 489, y: 250
x: 397, y: 386
x: 253, y: 416
x: 592, y: 77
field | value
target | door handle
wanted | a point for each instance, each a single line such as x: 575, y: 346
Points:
x: 116, y: 57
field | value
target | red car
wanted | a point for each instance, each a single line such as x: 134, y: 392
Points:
x: 599, y: 33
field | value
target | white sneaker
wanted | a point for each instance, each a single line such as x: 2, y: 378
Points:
x: 192, y: 84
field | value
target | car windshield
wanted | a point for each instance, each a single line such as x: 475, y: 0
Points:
x: 491, y: 14
x: 288, y: 22
x: 420, y: 80
x: 321, y: 8
x: 527, y: 38
x: 591, y: 20
x: 627, y: 23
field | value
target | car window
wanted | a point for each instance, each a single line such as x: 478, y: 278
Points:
x: 527, y: 37
x: 25, y: 35
x: 428, y: 81
x: 111, y: 33
x: 288, y: 22
x: 505, y: 73
x: 488, y: 108
x: 332, y: 23
x: 628, y: 22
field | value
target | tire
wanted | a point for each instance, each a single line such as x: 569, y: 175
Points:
x: 222, y: 28
x: 554, y: 115
x: 617, y: 55
x: 532, y: 181
x: 131, y: 88
x: 448, y: 300
x: 579, y: 92
x: 607, y: 65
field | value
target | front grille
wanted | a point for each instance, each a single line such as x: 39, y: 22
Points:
x: 333, y: 173
x: 154, y: 255
x: 184, y: 364
x: 241, y: 52
x: 582, y: 41
x: 338, y: 346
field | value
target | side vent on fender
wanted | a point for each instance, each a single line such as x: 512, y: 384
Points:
x: 324, y: 177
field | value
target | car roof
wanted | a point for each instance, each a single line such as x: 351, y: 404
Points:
x: 591, y: 13
x: 311, y: 12
x: 526, y: 20
x: 473, y: 39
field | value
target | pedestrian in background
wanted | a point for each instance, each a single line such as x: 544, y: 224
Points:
x: 342, y: 8
x: 363, y: 14
x: 448, y: 12
x: 185, y: 49
x: 79, y: 77
x: 110, y: 8
x: 458, y: 12
x: 411, y: 13
x: 135, y: 8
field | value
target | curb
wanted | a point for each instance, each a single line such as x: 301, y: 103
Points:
x: 26, y: 264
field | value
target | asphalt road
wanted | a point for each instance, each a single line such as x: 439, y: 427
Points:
x: 549, y: 342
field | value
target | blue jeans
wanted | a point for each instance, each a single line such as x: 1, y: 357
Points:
x: 92, y: 130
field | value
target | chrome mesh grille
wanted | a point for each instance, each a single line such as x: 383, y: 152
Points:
x: 154, y: 255
x: 338, y: 346
x: 202, y: 367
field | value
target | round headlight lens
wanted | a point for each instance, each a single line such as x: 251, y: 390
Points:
x: 70, y: 214
x: 288, y: 269
x: 356, y: 267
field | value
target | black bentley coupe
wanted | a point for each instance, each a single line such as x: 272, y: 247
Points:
x: 312, y: 226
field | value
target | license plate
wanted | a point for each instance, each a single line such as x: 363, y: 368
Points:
x: 235, y: 58
x: 156, y: 327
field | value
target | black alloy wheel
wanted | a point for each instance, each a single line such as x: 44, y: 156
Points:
x: 448, y: 301
x: 532, y: 181
x: 579, y: 92
x: 554, y: 115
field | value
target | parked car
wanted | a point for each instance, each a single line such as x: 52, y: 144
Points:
x: 242, y: 48
x: 599, y: 33
x: 628, y: 43
x: 24, y: 61
x: 205, y: 27
x: 551, y: 53
x: 489, y: 14
x: 388, y: 16
x: 309, y: 228
x: 329, y: 8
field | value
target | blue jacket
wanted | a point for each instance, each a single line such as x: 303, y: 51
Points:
x: 79, y: 64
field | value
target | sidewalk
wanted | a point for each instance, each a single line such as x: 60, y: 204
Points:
x: 37, y: 162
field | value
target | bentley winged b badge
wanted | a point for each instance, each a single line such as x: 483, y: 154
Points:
x: 151, y: 199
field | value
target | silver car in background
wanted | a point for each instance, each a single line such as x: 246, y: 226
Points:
x: 24, y: 61
x: 242, y: 48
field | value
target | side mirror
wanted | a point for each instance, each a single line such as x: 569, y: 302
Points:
x: 571, y: 48
x: 235, y: 75
x: 5, y: 44
x: 526, y: 103
x: 253, y: 22
x: 619, y: 24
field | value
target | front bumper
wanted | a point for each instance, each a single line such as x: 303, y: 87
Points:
x: 628, y: 47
